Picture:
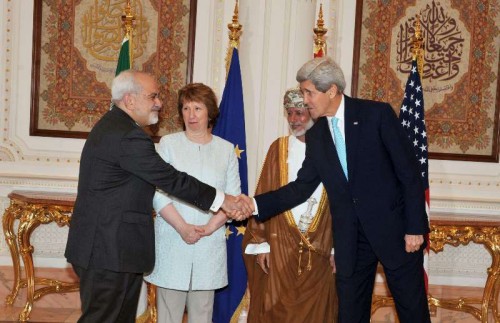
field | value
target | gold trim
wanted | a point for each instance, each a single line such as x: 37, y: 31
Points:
x: 32, y: 209
x: 456, y: 233
x: 234, y: 37
x: 128, y: 20
x: 283, y: 155
x: 283, y: 165
x: 12, y: 213
x: 30, y: 216
x: 244, y: 304
x: 150, y: 314
x: 418, y: 47
x: 319, y: 34
x: 321, y: 208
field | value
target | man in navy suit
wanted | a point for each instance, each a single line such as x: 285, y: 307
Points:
x: 358, y: 150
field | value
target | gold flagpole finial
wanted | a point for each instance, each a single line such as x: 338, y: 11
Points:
x: 235, y: 29
x: 128, y: 20
x: 417, y: 46
x: 319, y: 35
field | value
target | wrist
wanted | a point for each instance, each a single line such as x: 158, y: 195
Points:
x: 181, y: 228
x: 211, y: 227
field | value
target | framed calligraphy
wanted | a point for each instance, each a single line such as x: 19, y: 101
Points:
x: 460, y: 74
x: 75, y: 51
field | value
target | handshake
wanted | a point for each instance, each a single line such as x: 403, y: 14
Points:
x: 238, y: 207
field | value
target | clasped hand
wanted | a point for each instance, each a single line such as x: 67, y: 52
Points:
x: 413, y: 242
x: 238, y: 207
x: 191, y: 233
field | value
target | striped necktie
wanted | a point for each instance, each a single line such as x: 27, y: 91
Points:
x: 340, y: 145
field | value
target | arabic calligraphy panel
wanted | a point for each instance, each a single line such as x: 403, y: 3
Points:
x: 460, y: 75
x: 75, y: 55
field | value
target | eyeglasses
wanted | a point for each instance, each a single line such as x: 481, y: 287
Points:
x: 153, y: 96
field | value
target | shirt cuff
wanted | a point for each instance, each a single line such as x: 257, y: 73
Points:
x: 257, y: 248
x: 218, y: 200
x: 256, y: 212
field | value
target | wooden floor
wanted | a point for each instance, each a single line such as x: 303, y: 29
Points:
x: 50, y: 308
x: 387, y: 315
x: 65, y: 307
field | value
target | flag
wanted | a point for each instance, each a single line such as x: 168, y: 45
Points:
x: 123, y: 57
x: 231, y: 126
x: 123, y: 61
x: 412, y: 118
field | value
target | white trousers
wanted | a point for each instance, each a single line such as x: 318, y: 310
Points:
x: 171, y: 304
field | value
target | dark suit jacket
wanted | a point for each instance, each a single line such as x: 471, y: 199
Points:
x: 384, y: 193
x: 112, y: 224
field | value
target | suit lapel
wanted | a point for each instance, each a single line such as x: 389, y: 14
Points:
x: 331, y: 152
x: 352, y: 126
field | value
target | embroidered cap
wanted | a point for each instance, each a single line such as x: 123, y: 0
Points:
x: 293, y: 99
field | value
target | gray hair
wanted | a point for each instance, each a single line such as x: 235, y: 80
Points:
x: 323, y: 72
x: 124, y: 83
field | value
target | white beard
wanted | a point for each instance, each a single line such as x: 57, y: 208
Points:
x: 153, y: 119
x: 298, y: 133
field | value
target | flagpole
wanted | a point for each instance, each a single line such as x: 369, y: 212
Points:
x: 235, y: 30
x: 128, y: 20
x: 417, y: 46
x: 320, y: 31
x: 418, y: 55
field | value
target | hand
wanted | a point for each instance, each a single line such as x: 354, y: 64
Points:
x: 238, y: 207
x: 247, y: 205
x: 264, y: 262
x: 191, y: 233
x: 413, y: 242
x: 332, y: 263
x: 207, y: 229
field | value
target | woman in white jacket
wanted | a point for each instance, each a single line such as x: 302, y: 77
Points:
x: 190, y: 243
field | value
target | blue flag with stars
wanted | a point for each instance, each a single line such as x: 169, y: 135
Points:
x: 231, y: 126
x: 412, y: 119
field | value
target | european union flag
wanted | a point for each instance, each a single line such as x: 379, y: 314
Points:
x: 231, y: 126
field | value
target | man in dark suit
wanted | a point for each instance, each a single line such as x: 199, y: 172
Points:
x: 111, y: 236
x: 375, y: 192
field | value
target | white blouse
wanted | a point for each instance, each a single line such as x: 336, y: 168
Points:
x: 203, y: 264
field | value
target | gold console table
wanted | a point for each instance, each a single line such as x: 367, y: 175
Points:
x: 455, y: 230
x: 31, y: 209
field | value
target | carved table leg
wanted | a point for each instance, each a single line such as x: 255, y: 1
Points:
x: 491, y: 288
x: 12, y: 213
x: 26, y: 227
x: 152, y: 302
x: 496, y: 300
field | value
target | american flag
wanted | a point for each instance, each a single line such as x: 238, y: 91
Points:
x: 412, y: 118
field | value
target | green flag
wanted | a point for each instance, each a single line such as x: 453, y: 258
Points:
x: 124, y: 57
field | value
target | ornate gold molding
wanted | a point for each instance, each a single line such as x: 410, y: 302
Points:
x: 456, y: 231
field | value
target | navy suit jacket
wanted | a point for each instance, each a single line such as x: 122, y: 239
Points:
x: 384, y: 193
x: 112, y: 223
